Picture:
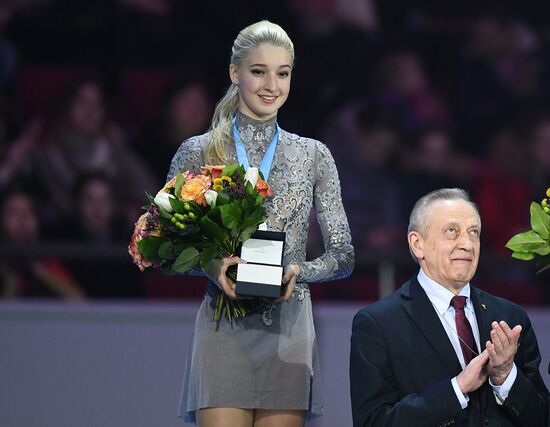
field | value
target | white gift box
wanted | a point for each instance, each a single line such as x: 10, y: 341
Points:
x: 262, y: 274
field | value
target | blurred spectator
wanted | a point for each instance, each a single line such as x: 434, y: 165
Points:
x: 326, y: 78
x: 95, y: 217
x: 96, y: 223
x: 16, y: 157
x: 186, y: 111
x: 502, y: 191
x: 539, y: 156
x: 371, y: 188
x: 38, y: 278
x: 402, y: 84
x: 499, y: 76
x: 83, y: 140
x: 433, y: 162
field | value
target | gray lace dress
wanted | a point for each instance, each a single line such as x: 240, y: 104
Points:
x: 269, y: 360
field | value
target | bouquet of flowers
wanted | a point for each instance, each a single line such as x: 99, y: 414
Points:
x: 535, y: 242
x: 197, y: 218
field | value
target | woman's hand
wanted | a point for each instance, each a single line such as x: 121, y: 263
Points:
x: 290, y: 274
x: 216, y: 272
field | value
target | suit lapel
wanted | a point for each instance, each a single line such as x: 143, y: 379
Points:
x: 421, y: 311
x: 484, y: 315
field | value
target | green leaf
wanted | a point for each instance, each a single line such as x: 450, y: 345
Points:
x: 166, y: 250
x: 231, y: 215
x: 540, y: 221
x: 150, y: 198
x: 177, y: 205
x: 528, y: 241
x: 247, y: 233
x: 249, y: 189
x: 164, y: 213
x: 211, y: 229
x: 223, y: 198
x: 180, y: 182
x: 186, y: 260
x: 209, y: 254
x: 259, y: 200
x: 149, y: 247
x: 542, y: 251
x: 524, y: 256
x: 230, y: 170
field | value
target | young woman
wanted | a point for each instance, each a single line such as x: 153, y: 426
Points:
x: 263, y: 370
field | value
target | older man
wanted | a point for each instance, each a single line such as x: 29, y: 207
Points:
x: 440, y: 352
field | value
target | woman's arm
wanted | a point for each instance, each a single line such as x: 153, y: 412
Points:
x: 339, y: 259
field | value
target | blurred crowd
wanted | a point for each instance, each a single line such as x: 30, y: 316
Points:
x: 95, y: 98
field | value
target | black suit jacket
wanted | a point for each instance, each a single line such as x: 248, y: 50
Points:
x: 402, y: 362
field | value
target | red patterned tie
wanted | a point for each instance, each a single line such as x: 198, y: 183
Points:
x: 463, y: 328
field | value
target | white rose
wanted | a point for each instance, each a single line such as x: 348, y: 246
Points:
x: 252, y: 176
x: 162, y: 199
x: 211, y: 197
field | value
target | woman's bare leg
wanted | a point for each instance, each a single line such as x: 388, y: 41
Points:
x: 225, y: 417
x: 279, y: 418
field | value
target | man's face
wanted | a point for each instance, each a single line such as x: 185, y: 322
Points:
x: 448, y: 247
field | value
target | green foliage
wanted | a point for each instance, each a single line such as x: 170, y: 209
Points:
x: 231, y: 215
x: 177, y: 205
x: 186, y: 260
x: 534, y: 243
x: 149, y: 247
x: 180, y: 182
x: 230, y: 170
x: 223, y: 198
x: 540, y: 221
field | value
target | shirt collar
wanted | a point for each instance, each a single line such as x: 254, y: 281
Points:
x: 438, y: 294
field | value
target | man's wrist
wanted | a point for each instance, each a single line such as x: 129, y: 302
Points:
x: 499, y: 379
x: 501, y: 391
x: 462, y: 397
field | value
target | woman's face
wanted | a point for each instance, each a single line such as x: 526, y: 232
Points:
x: 190, y: 111
x: 264, y: 81
x: 96, y: 206
x: 19, y: 222
x: 87, y: 108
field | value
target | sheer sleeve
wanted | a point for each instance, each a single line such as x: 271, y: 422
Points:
x: 187, y: 158
x: 338, y: 260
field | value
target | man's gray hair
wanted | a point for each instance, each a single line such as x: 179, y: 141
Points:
x: 417, y: 220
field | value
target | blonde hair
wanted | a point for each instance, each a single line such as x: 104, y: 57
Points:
x: 217, y: 150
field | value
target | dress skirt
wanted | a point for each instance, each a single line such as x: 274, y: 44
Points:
x: 268, y: 360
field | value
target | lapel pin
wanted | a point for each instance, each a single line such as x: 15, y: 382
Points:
x: 484, y: 306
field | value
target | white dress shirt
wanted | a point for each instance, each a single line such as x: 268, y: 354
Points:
x: 440, y: 297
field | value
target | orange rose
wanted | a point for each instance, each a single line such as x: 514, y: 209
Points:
x: 215, y: 171
x: 195, y: 188
x: 263, y: 188
x: 172, y: 183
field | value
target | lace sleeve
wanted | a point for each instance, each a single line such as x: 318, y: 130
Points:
x: 338, y: 260
x: 188, y: 157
